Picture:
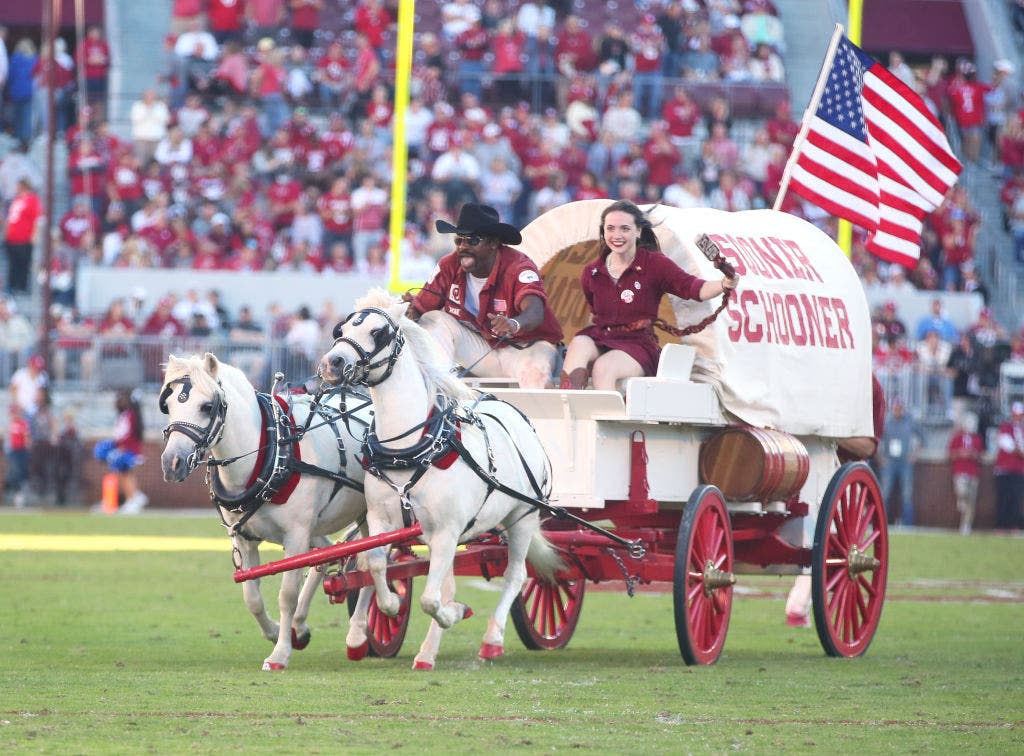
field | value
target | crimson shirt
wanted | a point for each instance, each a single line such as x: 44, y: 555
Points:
x: 513, y: 277
x: 635, y: 296
x: 965, y: 450
x: 226, y: 15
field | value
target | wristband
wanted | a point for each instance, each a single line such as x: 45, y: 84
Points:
x: 518, y: 326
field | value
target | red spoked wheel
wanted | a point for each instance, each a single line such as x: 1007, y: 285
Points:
x: 545, y: 614
x: 702, y: 585
x: 385, y: 634
x: 850, y: 561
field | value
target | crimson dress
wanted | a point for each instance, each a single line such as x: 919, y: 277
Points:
x: 635, y: 296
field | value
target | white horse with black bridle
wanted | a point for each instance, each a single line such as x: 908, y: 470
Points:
x: 277, y: 474
x: 459, y: 464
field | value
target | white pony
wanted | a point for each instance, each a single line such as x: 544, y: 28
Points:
x: 432, y: 445
x: 250, y: 437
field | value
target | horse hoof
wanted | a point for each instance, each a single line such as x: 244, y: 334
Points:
x: 269, y: 666
x: 355, y: 653
x: 491, y: 651
x: 299, y: 642
x: 467, y: 613
x: 422, y: 666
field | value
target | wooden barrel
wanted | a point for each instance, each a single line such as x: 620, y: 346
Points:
x: 754, y: 464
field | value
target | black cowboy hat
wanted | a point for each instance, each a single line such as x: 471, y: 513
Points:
x: 481, y: 220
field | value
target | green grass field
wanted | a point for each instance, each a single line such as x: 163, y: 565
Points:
x: 129, y: 652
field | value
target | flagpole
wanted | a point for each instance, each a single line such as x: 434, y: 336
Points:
x: 812, y: 108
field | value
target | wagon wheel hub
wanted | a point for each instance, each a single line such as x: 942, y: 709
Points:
x: 858, y: 561
x: 715, y: 578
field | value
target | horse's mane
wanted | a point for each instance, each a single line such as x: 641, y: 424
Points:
x: 195, y: 368
x: 436, y: 368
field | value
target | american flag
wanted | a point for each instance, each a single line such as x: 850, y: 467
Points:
x: 874, y: 155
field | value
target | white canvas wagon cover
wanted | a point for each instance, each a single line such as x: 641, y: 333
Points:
x: 792, y: 351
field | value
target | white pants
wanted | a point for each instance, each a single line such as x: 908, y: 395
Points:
x: 532, y: 367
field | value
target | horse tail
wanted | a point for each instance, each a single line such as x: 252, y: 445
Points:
x: 544, y: 558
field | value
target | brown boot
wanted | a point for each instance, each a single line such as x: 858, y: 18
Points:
x: 575, y: 380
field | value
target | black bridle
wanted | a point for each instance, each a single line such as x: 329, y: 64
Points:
x: 391, y: 335
x: 203, y: 438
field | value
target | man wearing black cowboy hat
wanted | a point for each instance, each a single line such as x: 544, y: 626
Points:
x: 485, y: 297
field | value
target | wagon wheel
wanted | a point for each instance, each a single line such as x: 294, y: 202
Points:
x: 702, y: 586
x: 545, y: 614
x: 850, y: 561
x: 386, y: 634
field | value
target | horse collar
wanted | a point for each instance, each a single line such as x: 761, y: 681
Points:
x: 434, y: 446
x: 273, y: 477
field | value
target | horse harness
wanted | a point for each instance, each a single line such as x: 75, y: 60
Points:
x: 440, y: 439
x: 279, y: 464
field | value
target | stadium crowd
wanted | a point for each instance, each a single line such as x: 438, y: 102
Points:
x: 265, y: 143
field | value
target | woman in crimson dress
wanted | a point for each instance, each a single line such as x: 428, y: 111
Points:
x: 623, y: 289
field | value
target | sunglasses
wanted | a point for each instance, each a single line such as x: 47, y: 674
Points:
x: 470, y: 241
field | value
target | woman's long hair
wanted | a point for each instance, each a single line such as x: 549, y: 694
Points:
x: 647, y: 239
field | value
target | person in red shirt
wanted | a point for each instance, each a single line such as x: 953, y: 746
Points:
x: 94, y: 60
x: 335, y: 209
x: 485, y: 304
x: 967, y: 99
x: 20, y: 234
x: 88, y: 170
x: 662, y: 157
x: 782, y: 129
x: 226, y: 19
x: 508, y: 46
x: 623, y: 289
x: 574, y: 50
x: 649, y: 47
x: 965, y: 450
x: 283, y: 198
x: 206, y: 145
x: 338, y: 139
x: 79, y: 221
x: 372, y: 20
x: 366, y: 74
x: 471, y: 45
x: 124, y: 182
x: 380, y: 109
x: 267, y: 86
x: 305, y: 20
x: 681, y: 114
x: 1009, y: 470
x: 333, y: 75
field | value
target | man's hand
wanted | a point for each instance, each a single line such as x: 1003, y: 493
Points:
x: 504, y: 326
x: 411, y: 312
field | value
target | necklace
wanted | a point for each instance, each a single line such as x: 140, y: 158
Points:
x: 616, y: 271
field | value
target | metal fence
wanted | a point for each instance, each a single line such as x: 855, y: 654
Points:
x: 103, y: 364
